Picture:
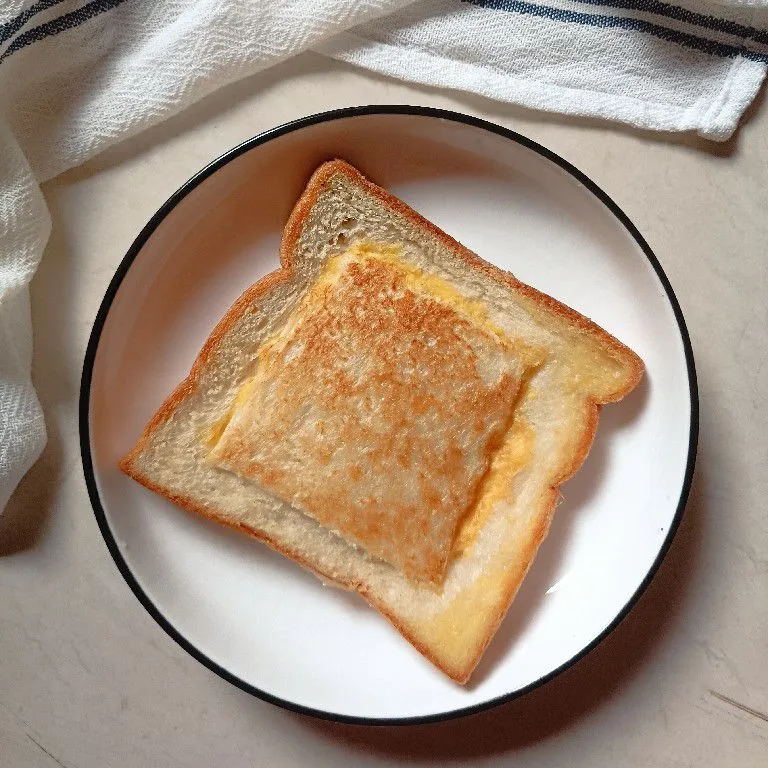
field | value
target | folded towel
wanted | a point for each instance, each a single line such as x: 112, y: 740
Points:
x: 682, y: 67
x: 76, y: 77
x: 79, y: 75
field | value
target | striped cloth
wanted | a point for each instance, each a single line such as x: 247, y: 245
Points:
x: 683, y: 67
x: 79, y: 75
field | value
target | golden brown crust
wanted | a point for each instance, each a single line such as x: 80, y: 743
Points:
x: 620, y: 351
x: 263, y: 287
x: 365, y: 343
x: 291, y: 235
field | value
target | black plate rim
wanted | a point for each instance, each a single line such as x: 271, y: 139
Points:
x: 146, y: 233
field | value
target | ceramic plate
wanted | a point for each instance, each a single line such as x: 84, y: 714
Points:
x: 254, y: 617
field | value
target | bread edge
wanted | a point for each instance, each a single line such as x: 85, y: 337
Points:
x: 630, y: 358
x: 285, y: 272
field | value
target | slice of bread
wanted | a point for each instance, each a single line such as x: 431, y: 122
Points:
x: 392, y: 413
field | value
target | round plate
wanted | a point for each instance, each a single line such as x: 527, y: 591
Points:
x: 259, y: 620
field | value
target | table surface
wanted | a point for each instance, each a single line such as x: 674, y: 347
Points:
x: 87, y: 679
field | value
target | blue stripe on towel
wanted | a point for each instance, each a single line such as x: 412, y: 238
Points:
x: 60, y: 24
x: 10, y: 28
x: 677, y: 13
x: 619, y: 22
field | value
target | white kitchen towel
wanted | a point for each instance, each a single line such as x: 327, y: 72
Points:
x: 683, y: 67
x: 75, y: 77
x: 79, y: 75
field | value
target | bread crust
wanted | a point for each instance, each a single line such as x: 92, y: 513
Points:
x: 284, y: 273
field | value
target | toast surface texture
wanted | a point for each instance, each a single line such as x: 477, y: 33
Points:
x: 376, y: 411
x: 392, y: 413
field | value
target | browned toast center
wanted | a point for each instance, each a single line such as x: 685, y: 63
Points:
x: 377, y: 409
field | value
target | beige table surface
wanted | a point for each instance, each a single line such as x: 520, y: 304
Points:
x: 88, y: 680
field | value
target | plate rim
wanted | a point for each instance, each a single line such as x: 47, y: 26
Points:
x: 148, y: 230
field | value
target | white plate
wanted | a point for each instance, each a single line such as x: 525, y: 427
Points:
x: 259, y: 620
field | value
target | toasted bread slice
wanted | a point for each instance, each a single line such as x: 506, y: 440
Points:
x: 377, y: 409
x: 392, y: 413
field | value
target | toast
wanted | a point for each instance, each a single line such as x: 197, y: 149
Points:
x: 392, y: 413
